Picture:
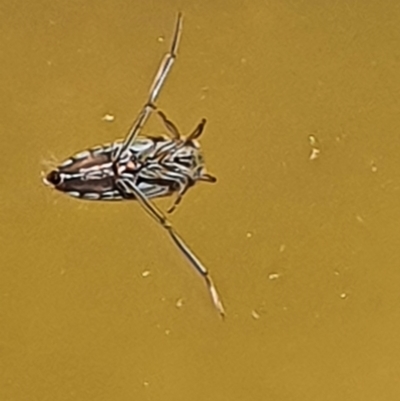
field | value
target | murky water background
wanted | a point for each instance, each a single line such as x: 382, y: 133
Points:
x: 301, y: 233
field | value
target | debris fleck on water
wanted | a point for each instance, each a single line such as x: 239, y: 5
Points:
x: 374, y: 168
x: 282, y: 248
x: 179, y: 303
x: 108, y: 117
x: 273, y: 276
x: 161, y: 39
x: 314, y: 153
x: 315, y: 150
x: 255, y: 315
x: 343, y: 295
x: 146, y: 273
x: 249, y: 235
x: 204, y: 92
x: 146, y: 383
x: 313, y: 140
x: 359, y: 219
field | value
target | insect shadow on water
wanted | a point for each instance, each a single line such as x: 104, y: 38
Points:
x: 142, y: 168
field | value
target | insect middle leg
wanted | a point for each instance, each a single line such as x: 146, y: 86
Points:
x: 158, y: 82
x: 170, y: 126
x: 127, y: 186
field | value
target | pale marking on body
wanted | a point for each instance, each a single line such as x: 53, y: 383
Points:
x: 74, y: 194
x: 67, y: 163
x: 107, y: 193
x: 91, y: 195
x: 82, y: 155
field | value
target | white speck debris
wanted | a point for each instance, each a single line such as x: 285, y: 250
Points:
x: 374, y: 168
x: 167, y: 332
x: 255, y: 315
x: 249, y: 235
x: 359, y: 219
x: 313, y: 140
x: 161, y: 39
x: 314, y: 153
x: 146, y: 273
x: 343, y: 295
x: 315, y: 150
x: 146, y: 383
x: 282, y: 248
x: 179, y: 303
x: 204, y: 92
x: 273, y: 276
x: 108, y: 118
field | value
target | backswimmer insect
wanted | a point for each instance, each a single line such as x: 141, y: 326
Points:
x: 143, y: 168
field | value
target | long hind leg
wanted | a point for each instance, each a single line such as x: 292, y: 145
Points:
x: 127, y: 186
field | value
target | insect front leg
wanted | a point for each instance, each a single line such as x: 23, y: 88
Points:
x: 174, y: 131
x: 170, y: 126
x: 128, y: 186
x: 197, y: 131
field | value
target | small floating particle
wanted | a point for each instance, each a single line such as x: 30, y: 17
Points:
x: 343, y: 295
x: 146, y: 273
x: 167, y: 332
x: 249, y: 235
x: 359, y: 218
x: 161, y: 39
x: 204, y: 92
x: 255, y: 315
x: 314, y: 154
x: 108, y: 117
x: 146, y: 383
x: 273, y: 276
x: 374, y: 168
x: 282, y: 248
x: 179, y: 303
x: 315, y: 151
x: 313, y: 140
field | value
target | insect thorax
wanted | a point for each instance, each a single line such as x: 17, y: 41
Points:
x: 158, y: 166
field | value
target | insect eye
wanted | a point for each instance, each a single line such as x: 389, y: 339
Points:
x: 54, y: 177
